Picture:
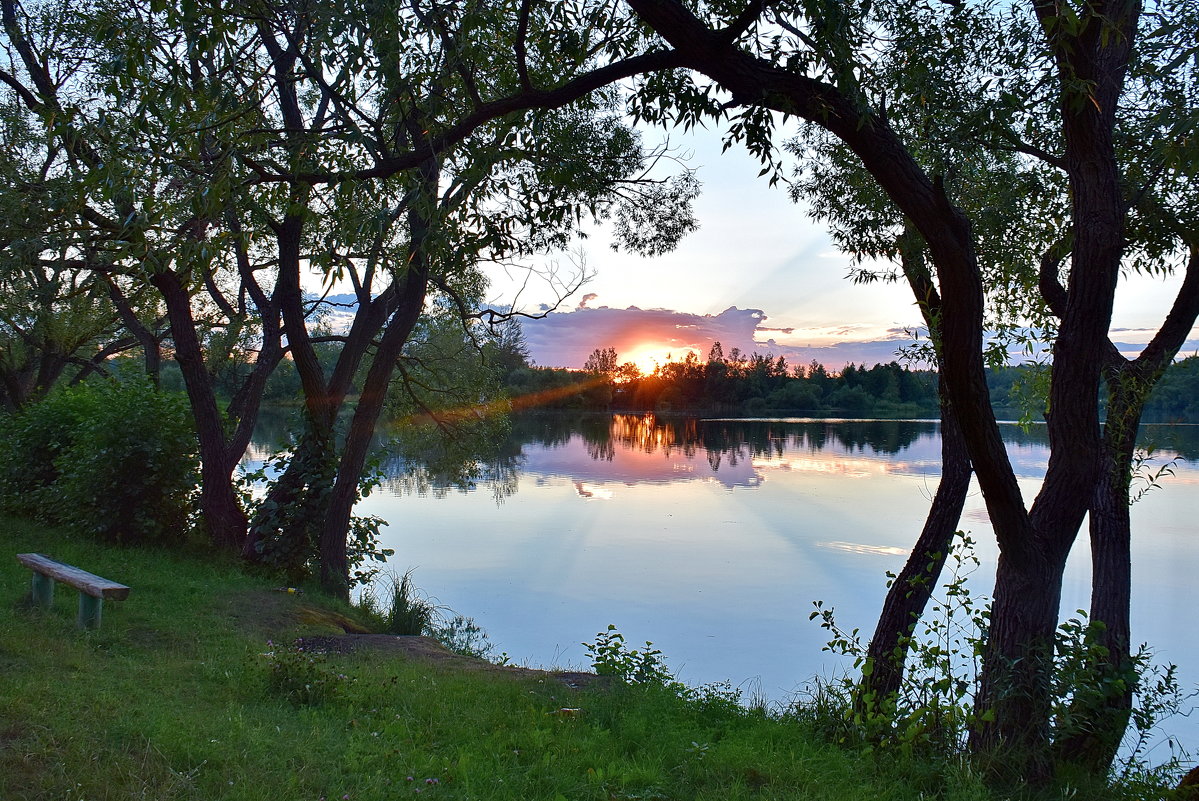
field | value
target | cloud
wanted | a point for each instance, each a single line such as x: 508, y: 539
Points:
x: 566, y: 340
x: 590, y: 296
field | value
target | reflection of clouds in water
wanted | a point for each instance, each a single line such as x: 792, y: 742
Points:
x: 857, y: 547
x: 977, y: 516
x: 850, y: 467
x: 631, y: 465
x: 593, y: 491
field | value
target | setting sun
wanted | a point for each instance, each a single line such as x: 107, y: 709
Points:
x: 650, y: 356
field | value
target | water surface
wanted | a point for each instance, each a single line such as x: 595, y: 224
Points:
x: 712, y: 538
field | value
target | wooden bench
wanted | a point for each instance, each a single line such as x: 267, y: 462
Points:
x: 93, y: 590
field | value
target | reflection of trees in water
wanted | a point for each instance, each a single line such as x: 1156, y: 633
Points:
x: 501, y: 476
x: 649, y: 434
x: 274, y: 431
x: 733, y: 441
x: 497, y: 464
x: 882, y: 436
x: 1169, y: 440
x: 1166, y: 440
x: 772, y: 439
x: 601, y: 450
x: 429, y: 461
x: 722, y: 441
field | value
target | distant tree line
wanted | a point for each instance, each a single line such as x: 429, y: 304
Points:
x: 752, y: 383
x: 766, y: 384
x: 1020, y: 389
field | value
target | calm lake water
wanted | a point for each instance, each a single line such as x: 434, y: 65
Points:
x: 713, y: 537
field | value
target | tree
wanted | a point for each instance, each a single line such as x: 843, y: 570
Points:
x: 150, y: 196
x: 506, y: 349
x: 602, y: 360
x: 514, y: 187
x: 1018, y: 203
x: 819, y: 70
x: 385, y: 146
x: 58, y: 318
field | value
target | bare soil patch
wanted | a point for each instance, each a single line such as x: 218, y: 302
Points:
x: 321, y: 630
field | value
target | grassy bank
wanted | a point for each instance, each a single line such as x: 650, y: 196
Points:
x: 174, y: 699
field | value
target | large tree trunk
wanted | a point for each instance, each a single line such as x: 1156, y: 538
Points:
x: 223, y: 516
x: 324, y: 398
x: 334, y: 559
x: 412, y: 288
x: 1099, y: 712
x: 1097, y: 720
x: 910, y: 591
x: 1014, y: 693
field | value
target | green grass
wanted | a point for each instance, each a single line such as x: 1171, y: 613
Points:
x: 171, y: 699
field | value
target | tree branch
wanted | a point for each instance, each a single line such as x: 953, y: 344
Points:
x: 522, y: 101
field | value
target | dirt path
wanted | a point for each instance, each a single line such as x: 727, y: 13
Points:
x: 268, y: 614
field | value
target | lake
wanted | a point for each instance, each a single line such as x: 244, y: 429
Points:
x: 712, y: 538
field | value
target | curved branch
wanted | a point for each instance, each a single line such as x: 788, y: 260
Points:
x: 522, y: 101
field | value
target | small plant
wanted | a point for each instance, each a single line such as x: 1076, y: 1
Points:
x: 403, y: 610
x: 1144, y: 477
x: 610, y: 657
x: 301, y: 677
x: 407, y: 612
x: 647, y: 668
x: 462, y: 635
x: 933, y: 709
x: 1157, y: 697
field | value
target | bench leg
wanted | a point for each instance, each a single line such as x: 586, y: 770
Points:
x: 43, y: 590
x: 89, y: 611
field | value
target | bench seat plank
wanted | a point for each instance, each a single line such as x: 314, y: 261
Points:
x: 81, y: 580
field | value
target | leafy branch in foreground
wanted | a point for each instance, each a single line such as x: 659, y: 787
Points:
x: 930, y: 716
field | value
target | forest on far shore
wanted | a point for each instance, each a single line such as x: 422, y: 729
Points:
x: 765, y: 384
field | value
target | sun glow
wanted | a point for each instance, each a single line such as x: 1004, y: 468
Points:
x: 650, y: 356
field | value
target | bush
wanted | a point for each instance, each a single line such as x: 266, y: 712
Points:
x: 114, y: 460
x: 33, y: 443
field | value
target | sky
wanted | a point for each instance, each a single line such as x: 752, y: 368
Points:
x: 758, y: 275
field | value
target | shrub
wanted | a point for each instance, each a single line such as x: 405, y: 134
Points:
x: 33, y: 443
x: 114, y: 460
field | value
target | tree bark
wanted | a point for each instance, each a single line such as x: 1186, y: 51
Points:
x: 412, y: 288
x: 910, y: 591
x: 1099, y: 720
x: 1099, y: 713
x: 223, y: 516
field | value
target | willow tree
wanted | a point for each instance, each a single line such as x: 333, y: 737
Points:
x: 942, y: 70
x: 398, y: 146
x: 60, y: 319
x: 149, y: 197
x: 815, y: 61
x: 512, y: 187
